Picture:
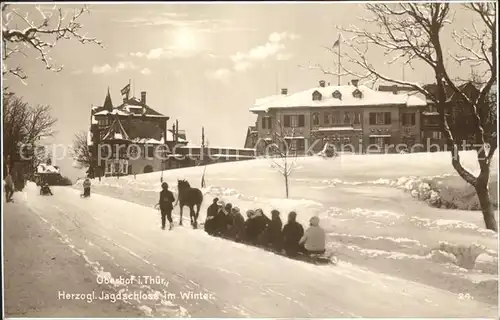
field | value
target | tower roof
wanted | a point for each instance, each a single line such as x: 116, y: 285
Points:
x: 108, y: 104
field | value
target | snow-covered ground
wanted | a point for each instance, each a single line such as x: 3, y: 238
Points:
x: 394, y: 251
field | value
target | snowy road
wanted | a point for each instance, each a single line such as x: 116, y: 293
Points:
x: 115, y: 238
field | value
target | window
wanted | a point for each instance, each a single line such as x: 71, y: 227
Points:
x: 294, y: 121
x: 301, y: 145
x: 109, y: 168
x: 315, y: 119
x: 436, y: 135
x: 124, y: 168
x: 357, y: 117
x: 149, y: 151
x: 286, y: 121
x: 357, y: 94
x: 134, y: 151
x: 337, y: 95
x: 408, y: 119
x: 336, y: 117
x: 316, y: 96
x: 379, y: 141
x: 347, y: 118
x: 380, y: 118
x: 302, y: 121
x: 267, y: 123
x: 326, y: 117
x: 292, y: 145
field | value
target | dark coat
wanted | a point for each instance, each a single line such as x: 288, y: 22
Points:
x: 236, y: 229
x: 255, y: 228
x: 292, y: 233
x: 212, y: 210
x: 166, y: 200
x: 220, y: 222
x: 274, y: 236
x: 211, y: 224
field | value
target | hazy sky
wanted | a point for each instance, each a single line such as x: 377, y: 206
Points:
x: 203, y: 64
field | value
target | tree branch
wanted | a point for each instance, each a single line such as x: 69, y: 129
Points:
x: 31, y: 36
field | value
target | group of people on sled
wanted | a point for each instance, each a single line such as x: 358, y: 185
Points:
x: 224, y: 220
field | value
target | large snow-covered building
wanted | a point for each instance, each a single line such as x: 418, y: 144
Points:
x: 353, y: 116
x: 130, y: 138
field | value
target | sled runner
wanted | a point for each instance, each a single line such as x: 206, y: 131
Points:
x: 325, y: 258
x: 315, y: 258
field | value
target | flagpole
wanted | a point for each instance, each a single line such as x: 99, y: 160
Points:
x: 338, y: 66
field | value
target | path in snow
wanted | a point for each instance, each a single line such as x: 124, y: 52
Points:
x: 116, y: 238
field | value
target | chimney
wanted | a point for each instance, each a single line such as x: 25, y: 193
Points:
x: 322, y: 83
x: 143, y: 97
x: 284, y: 91
x: 355, y: 82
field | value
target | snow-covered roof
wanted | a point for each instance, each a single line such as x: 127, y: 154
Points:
x: 45, y: 168
x: 115, y: 111
x: 94, y: 121
x: 369, y: 97
x: 336, y: 129
x: 148, y: 141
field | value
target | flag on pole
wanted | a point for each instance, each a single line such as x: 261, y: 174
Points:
x: 336, y: 43
x: 126, y: 90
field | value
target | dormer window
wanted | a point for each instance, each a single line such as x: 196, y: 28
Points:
x: 316, y: 96
x: 357, y: 94
x: 337, y: 95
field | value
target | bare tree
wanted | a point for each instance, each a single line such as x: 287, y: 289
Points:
x: 40, y: 37
x: 80, y: 151
x: 412, y: 32
x: 287, y: 157
x: 23, y: 127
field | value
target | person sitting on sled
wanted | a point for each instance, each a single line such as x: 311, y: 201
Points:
x: 273, y: 234
x: 236, y: 229
x: 292, y: 233
x: 314, y: 239
x: 45, y: 189
x: 86, y: 187
x: 210, y: 222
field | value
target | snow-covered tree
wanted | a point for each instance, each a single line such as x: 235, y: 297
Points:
x: 412, y: 33
x: 20, y: 34
x: 80, y: 151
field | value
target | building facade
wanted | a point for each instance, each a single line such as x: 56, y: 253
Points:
x: 352, y: 118
x: 131, y: 138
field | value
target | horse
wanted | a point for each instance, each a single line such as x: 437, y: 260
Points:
x: 190, y: 197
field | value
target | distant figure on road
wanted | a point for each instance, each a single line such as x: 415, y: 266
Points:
x: 292, y: 233
x: 166, y: 205
x: 86, y: 187
x: 314, y: 239
x: 210, y: 222
x: 45, y: 189
x: 9, y: 187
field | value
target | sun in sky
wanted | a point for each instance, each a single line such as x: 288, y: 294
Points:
x: 186, y: 39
